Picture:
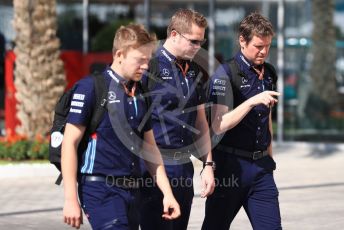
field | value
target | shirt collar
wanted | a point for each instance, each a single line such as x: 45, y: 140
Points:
x: 240, y: 58
x: 126, y: 84
x: 114, y: 76
x: 162, y: 51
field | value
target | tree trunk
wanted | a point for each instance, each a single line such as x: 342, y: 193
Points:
x: 39, y: 72
x: 324, y: 51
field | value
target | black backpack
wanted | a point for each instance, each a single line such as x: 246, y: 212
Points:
x: 60, y: 118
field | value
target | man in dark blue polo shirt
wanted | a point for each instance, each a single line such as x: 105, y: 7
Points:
x: 241, y: 115
x: 178, y: 119
x: 107, y: 173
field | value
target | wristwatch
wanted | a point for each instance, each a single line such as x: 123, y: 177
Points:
x: 210, y: 163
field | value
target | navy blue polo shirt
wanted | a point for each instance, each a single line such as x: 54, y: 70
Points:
x: 252, y: 133
x: 175, y: 99
x: 114, y: 148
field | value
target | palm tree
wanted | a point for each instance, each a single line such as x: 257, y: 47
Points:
x: 324, y: 57
x: 39, y: 72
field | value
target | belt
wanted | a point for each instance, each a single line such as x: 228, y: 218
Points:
x: 254, y: 155
x: 120, y: 182
x: 175, y: 155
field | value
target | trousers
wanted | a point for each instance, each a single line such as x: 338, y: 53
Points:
x: 242, y: 182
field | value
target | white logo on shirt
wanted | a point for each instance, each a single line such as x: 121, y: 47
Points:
x: 192, y: 73
x: 75, y: 110
x: 78, y: 96
x: 113, y: 76
x: 165, y: 72
x: 112, y: 97
x: 221, y: 88
x: 166, y: 55
x: 77, y: 104
x: 219, y: 82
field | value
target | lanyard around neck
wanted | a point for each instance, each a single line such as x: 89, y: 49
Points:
x: 131, y: 93
x: 259, y: 72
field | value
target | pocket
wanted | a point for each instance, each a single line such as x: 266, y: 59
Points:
x: 92, y: 194
x: 267, y: 163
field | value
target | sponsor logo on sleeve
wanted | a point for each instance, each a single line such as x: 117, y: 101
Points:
x: 78, y: 96
x: 219, y: 82
x: 77, y: 104
x: 72, y: 110
x: 218, y: 87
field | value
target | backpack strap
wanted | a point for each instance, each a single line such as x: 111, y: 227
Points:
x: 153, y: 74
x: 272, y: 71
x: 236, y: 74
x: 101, y: 92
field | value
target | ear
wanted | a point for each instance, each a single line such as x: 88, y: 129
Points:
x: 119, y: 54
x: 242, y: 41
x: 173, y: 33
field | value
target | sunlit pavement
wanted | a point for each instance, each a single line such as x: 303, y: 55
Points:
x: 309, y: 177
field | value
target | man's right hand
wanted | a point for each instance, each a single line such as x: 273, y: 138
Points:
x: 72, y: 214
x: 267, y: 98
x: 171, y: 208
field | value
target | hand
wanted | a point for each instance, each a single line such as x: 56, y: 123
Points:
x: 171, y: 208
x: 266, y: 98
x: 208, y: 181
x: 72, y: 214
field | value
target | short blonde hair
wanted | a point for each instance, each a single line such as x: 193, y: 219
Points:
x: 183, y: 19
x: 131, y: 36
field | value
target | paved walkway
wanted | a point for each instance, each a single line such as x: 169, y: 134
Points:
x: 309, y: 177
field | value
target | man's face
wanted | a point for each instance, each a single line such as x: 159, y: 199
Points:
x: 257, y: 50
x: 135, y: 62
x: 188, y: 44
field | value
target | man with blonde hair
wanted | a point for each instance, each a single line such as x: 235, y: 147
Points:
x: 178, y: 118
x: 106, y: 175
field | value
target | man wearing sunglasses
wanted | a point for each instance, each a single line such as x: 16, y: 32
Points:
x: 178, y: 119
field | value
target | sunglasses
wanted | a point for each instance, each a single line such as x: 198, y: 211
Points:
x: 192, y: 41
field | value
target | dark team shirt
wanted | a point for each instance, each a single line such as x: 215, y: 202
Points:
x: 114, y: 148
x: 175, y: 100
x: 252, y: 133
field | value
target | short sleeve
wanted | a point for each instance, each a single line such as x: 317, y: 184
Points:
x: 82, y: 102
x: 221, y: 91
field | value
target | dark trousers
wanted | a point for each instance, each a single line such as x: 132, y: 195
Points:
x: 109, y: 207
x: 244, y: 183
x: 151, y: 207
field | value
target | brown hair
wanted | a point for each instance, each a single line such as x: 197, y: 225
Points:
x: 183, y: 19
x: 131, y: 36
x: 255, y: 24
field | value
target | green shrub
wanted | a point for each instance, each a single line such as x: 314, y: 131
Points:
x: 24, y: 150
x: 3, y: 150
x: 18, y: 150
x: 38, y: 150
